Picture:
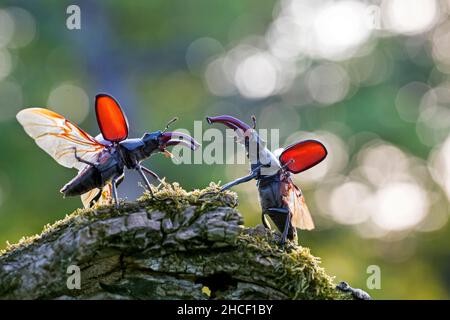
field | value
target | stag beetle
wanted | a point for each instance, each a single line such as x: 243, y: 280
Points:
x: 100, y: 160
x: 279, y: 197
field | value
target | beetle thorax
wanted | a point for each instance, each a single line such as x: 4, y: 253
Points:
x: 258, y: 153
x: 132, y: 151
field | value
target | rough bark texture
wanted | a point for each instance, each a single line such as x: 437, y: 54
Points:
x: 175, y: 245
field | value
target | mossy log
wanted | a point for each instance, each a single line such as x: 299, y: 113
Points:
x: 175, y: 245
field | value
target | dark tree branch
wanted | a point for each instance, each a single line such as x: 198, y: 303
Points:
x: 174, y: 246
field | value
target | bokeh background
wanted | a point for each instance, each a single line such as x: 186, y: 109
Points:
x: 368, y: 78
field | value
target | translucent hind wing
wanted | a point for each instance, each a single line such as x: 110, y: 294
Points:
x: 59, y: 137
x: 104, y: 197
x: 293, y: 197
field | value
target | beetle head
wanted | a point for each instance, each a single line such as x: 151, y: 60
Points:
x: 172, y: 138
x: 255, y: 147
x: 158, y: 141
x: 151, y: 142
x: 245, y: 134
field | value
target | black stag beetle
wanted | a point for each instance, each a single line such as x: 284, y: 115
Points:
x: 101, y: 160
x: 279, y: 197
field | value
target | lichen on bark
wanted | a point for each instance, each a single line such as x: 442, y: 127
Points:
x: 175, y: 245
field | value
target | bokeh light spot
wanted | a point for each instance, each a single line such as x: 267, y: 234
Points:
x: 400, y: 206
x: 200, y: 50
x: 70, y: 101
x: 340, y: 27
x: 6, y: 28
x: 256, y: 76
x: 349, y: 203
x: 409, y: 17
x: 24, y: 27
x: 328, y: 83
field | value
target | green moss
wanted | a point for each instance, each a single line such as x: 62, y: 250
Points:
x: 169, y: 198
x: 173, y: 199
x: 298, y: 272
x: 293, y: 268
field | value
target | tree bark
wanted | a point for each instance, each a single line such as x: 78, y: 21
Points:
x: 176, y: 245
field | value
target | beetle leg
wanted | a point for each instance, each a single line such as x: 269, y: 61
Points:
x: 150, y: 172
x: 120, y: 179
x: 141, y: 172
x: 116, y: 180
x: 286, y: 224
x: 286, y: 228
x: 82, y: 160
x: 93, y: 201
x: 251, y: 176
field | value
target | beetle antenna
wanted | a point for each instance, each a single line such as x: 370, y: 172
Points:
x: 254, y: 122
x: 169, y: 123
